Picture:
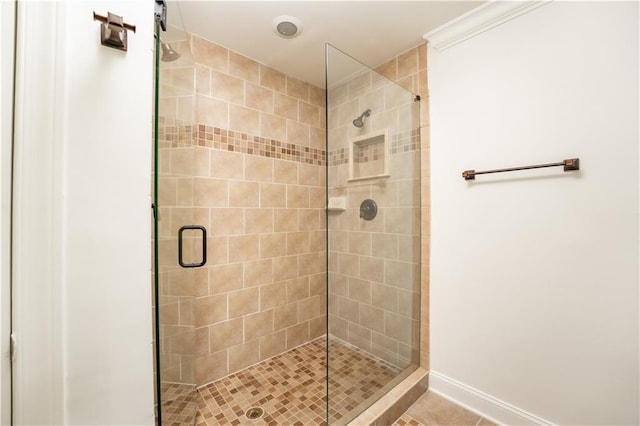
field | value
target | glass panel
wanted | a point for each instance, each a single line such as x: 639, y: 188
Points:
x: 373, y: 238
x: 174, y: 167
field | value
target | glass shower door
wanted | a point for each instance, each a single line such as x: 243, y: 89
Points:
x: 179, y: 233
x: 373, y: 235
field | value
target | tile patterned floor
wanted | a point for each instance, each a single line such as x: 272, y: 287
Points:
x: 432, y: 409
x: 290, y: 388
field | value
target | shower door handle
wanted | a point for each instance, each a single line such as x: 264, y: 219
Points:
x: 204, y: 246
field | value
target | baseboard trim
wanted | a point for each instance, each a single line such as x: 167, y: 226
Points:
x: 487, y: 406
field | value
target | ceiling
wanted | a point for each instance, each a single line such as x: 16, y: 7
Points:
x: 370, y: 31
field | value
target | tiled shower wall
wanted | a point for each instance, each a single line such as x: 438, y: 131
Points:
x: 245, y: 159
x: 409, y: 70
x: 374, y: 266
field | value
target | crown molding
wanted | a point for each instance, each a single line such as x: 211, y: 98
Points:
x: 479, y: 20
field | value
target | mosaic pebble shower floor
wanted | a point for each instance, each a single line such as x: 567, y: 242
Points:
x: 289, y: 387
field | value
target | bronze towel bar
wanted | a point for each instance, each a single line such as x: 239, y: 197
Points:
x: 570, y: 164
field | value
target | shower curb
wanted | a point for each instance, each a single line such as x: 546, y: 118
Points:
x: 390, y: 407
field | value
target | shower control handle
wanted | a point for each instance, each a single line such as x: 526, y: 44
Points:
x: 204, y: 246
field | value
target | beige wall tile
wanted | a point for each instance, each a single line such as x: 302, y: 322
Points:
x: 258, y: 168
x: 185, y: 192
x: 210, y: 192
x: 317, y: 96
x: 258, y: 325
x: 384, y: 297
x: 310, y: 219
x: 297, y: 335
x: 310, y: 308
x: 309, y: 114
x: 285, y: 106
x: 210, y: 309
x: 285, y: 220
x: 244, y: 194
x: 225, y: 334
x: 202, y: 341
x: 258, y: 97
x: 258, y: 272
x: 372, y: 318
x: 217, y: 250
x: 242, y: 356
x: 297, y: 242
x: 273, y: 195
x: 243, y: 248
x: 244, y: 120
x: 298, y: 89
x: 211, y: 367
x: 297, y: 133
x: 170, y: 313
x: 227, y: 88
x: 201, y: 278
x: 317, y: 137
x: 273, y: 127
x: 372, y: 269
x: 273, y: 79
x: 348, y: 309
x: 209, y: 54
x: 243, y: 302
x: 242, y: 67
x: 297, y: 289
x: 225, y: 278
x: 258, y: 221
x: 273, y: 344
x: 226, y: 164
x: 285, y: 268
x: 398, y: 327
x: 273, y: 245
x: 285, y: 171
x: 360, y: 290
x: 297, y: 196
x: 317, y: 326
x: 285, y: 316
x: 226, y: 221
x: 311, y: 263
x: 388, y: 69
x: 212, y: 112
x: 273, y: 295
x: 203, y: 80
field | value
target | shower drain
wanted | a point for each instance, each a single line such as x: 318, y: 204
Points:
x: 254, y: 413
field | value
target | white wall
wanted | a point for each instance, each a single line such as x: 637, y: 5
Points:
x: 534, y: 275
x: 82, y: 217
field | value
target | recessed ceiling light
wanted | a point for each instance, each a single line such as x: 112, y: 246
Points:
x: 287, y: 26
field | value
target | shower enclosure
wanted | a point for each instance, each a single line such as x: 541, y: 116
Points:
x: 286, y: 238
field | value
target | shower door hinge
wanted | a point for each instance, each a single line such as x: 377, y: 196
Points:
x: 161, y: 14
x: 12, y: 347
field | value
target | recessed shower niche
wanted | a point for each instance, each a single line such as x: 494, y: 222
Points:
x: 369, y: 157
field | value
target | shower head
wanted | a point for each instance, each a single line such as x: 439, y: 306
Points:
x: 168, y: 54
x: 359, y: 122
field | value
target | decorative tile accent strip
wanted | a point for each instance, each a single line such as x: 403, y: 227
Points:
x: 405, y: 141
x: 401, y: 142
x: 230, y: 140
x: 175, y: 135
x: 339, y: 156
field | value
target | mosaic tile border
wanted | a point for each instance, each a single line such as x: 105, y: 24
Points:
x: 184, y: 135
